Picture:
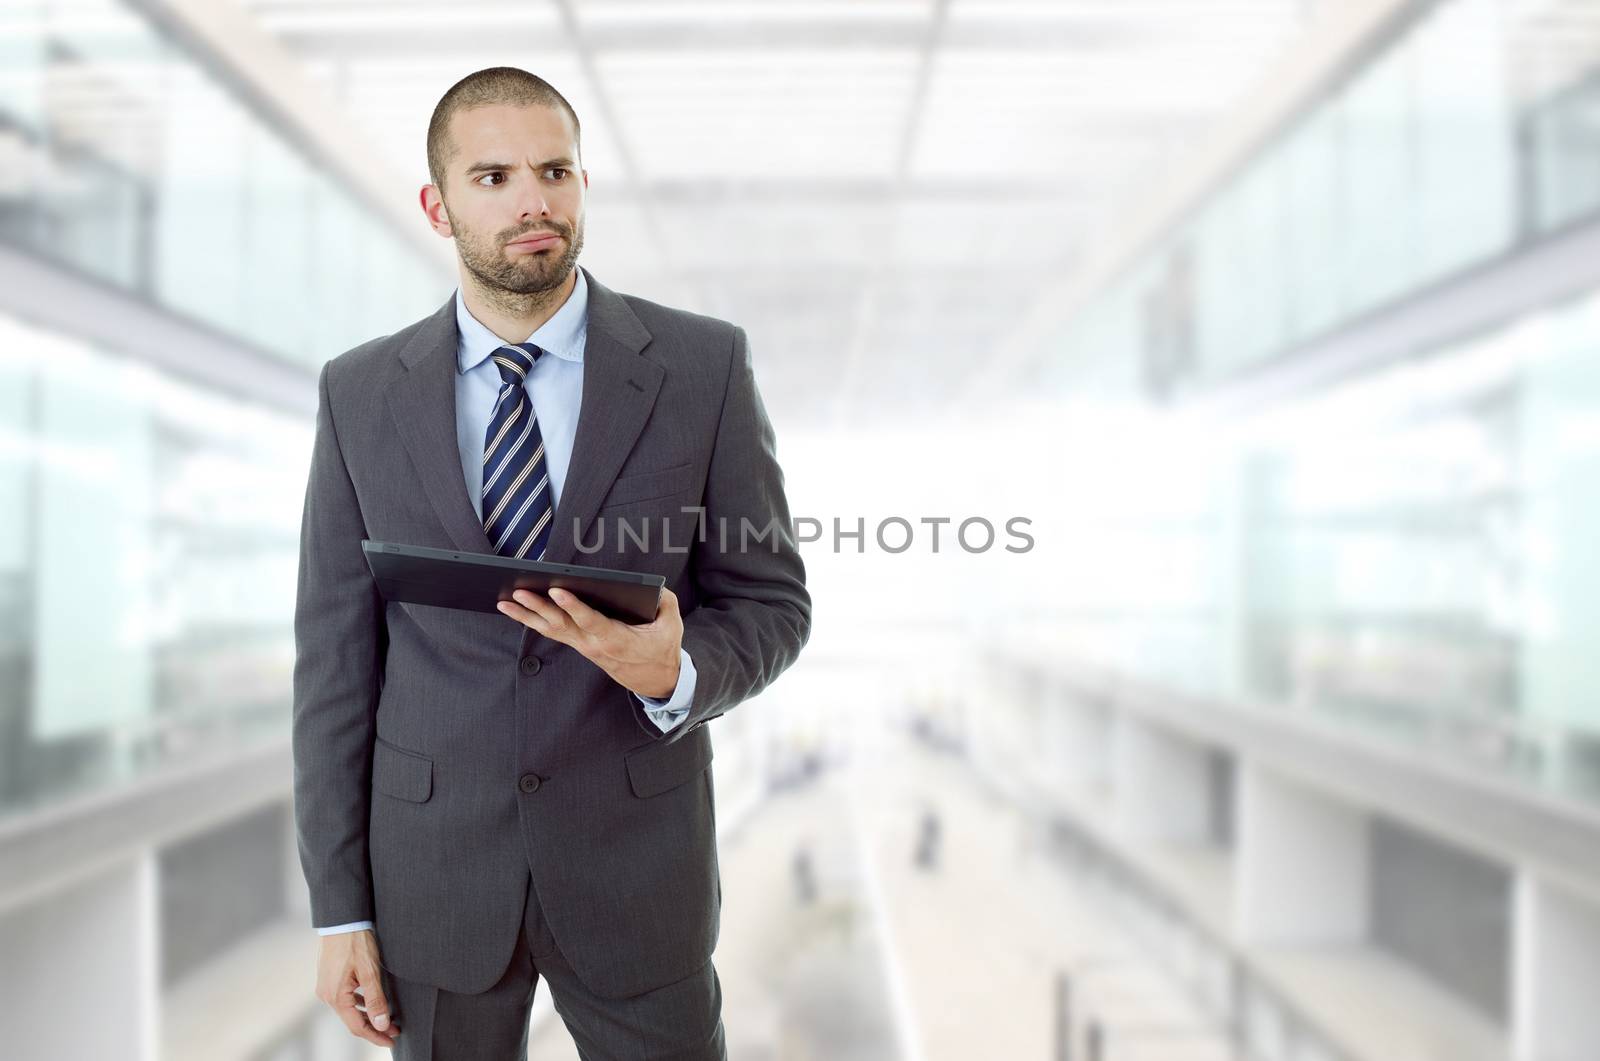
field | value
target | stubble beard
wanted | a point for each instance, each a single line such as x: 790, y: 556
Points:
x: 518, y: 283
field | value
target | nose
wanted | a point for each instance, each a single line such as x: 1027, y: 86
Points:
x: 533, y: 203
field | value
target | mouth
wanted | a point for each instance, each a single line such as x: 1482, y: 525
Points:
x: 535, y: 241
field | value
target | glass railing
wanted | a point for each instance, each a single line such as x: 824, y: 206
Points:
x: 1406, y: 551
x: 127, y: 159
x: 149, y: 527
x: 1409, y: 552
x: 148, y: 555
x: 1470, y: 133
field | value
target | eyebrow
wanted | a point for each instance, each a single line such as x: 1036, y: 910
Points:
x: 486, y: 167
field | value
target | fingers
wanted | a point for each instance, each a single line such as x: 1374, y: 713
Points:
x: 584, y: 617
x: 532, y: 611
x: 668, y: 605
x: 344, y: 1004
x: 637, y: 656
x: 377, y: 1005
x: 561, y: 617
x: 356, y: 1022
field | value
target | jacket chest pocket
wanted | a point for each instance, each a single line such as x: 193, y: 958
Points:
x: 649, y: 521
x: 661, y: 538
x: 654, y: 484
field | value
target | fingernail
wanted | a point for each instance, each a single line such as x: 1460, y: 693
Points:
x: 380, y: 1022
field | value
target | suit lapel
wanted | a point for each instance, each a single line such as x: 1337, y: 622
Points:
x: 619, y: 391
x: 423, y: 405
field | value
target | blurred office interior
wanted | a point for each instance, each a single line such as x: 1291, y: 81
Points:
x: 1275, y: 323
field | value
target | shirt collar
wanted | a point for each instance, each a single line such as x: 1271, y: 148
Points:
x: 562, y: 335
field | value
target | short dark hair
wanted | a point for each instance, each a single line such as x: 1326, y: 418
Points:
x: 496, y: 84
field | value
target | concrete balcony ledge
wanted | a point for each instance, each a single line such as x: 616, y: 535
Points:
x: 45, y: 850
x: 1498, y: 816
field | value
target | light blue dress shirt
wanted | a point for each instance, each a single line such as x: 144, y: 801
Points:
x: 555, y: 387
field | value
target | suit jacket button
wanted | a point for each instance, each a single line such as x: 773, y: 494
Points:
x: 531, y: 664
x: 529, y: 783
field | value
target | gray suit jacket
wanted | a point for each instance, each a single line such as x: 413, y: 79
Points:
x: 442, y: 755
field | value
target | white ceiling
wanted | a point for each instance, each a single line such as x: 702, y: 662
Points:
x: 871, y: 187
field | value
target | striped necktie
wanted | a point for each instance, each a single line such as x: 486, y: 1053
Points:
x: 517, y: 497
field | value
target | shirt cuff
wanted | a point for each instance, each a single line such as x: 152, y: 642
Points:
x: 675, y: 708
x: 354, y: 926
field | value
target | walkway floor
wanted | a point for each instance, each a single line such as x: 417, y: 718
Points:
x: 837, y: 945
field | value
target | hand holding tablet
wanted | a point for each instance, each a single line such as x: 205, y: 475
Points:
x: 446, y: 578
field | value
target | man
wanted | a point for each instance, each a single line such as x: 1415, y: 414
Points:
x: 494, y: 798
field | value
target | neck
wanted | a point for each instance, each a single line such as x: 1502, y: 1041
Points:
x: 512, y: 316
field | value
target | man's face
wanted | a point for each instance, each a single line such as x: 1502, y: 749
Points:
x: 514, y: 175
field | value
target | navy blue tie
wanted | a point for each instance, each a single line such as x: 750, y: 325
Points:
x: 518, y: 509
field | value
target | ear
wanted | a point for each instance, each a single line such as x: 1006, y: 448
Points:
x: 432, y: 202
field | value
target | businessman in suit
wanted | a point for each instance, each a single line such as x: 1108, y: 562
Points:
x: 482, y: 800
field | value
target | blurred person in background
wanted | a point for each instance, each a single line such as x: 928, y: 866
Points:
x: 496, y: 798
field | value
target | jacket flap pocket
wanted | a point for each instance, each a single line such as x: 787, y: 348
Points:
x: 656, y: 768
x: 647, y: 486
x: 402, y: 774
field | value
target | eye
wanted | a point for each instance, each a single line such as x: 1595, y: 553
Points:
x: 491, y: 173
x: 559, y: 169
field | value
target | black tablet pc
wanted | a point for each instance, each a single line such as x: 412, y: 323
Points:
x: 418, y: 574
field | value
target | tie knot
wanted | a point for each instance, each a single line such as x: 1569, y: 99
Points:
x: 515, y: 361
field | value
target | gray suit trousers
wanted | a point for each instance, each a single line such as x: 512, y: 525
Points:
x: 681, y: 1021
